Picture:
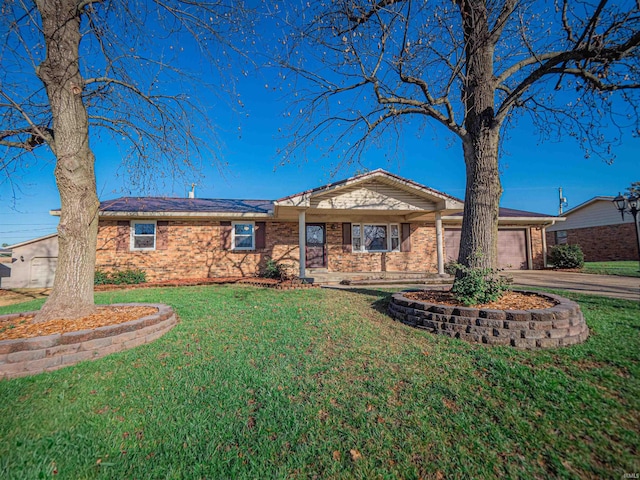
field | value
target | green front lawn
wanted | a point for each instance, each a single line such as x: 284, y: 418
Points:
x: 625, y: 269
x: 255, y: 383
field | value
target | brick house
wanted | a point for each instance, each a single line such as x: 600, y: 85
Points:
x: 597, y: 226
x: 370, y: 224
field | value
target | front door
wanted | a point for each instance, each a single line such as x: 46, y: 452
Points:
x: 316, y: 252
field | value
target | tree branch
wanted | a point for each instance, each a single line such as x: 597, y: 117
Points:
x: 601, y: 56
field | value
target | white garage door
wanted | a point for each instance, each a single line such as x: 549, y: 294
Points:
x: 512, y: 247
x: 43, y: 269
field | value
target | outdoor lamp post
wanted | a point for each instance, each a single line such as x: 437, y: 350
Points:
x: 630, y: 204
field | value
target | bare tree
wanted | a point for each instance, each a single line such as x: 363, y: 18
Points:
x: 363, y: 67
x: 74, y: 70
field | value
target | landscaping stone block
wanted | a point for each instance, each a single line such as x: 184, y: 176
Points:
x: 548, y: 342
x: 25, y: 356
x: 96, y: 344
x: 518, y: 315
x: 528, y: 343
x: 558, y: 333
x: 10, y: 346
x: 38, y: 343
x: 43, y: 364
x: 466, y: 312
x: 493, y: 314
x: 535, y: 334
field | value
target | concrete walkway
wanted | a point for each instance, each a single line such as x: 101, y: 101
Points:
x: 604, y: 285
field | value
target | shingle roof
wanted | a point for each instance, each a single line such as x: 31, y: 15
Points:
x: 512, y: 213
x: 204, y: 205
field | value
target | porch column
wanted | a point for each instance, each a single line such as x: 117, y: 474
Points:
x: 439, y: 244
x: 302, y: 241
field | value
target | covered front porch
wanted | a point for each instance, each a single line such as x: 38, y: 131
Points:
x: 376, y: 225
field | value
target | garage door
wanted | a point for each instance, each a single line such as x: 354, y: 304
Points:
x: 512, y: 247
x: 43, y: 269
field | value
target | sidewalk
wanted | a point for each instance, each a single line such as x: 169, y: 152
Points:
x: 604, y: 285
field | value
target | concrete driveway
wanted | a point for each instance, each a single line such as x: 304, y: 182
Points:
x: 605, y: 285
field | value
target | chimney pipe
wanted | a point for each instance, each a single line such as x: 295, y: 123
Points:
x: 192, y: 193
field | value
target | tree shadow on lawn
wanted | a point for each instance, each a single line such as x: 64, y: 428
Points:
x: 382, y: 303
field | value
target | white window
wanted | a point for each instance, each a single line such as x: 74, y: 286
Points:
x: 143, y: 235
x: 375, y: 237
x: 243, y: 236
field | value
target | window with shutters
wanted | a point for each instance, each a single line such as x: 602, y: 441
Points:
x: 243, y: 236
x: 375, y: 237
x: 143, y: 235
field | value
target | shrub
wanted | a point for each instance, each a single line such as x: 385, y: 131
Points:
x: 120, y: 277
x: 566, y: 256
x: 478, y: 285
x: 101, y: 278
x: 273, y: 269
x: 450, y: 267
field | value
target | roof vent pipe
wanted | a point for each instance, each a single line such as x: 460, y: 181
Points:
x: 192, y: 193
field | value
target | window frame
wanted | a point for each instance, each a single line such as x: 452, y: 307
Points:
x: 561, y: 237
x: 233, y: 236
x: 133, y: 235
x: 389, y: 236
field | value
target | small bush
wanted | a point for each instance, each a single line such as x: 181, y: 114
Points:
x: 478, y: 285
x: 273, y: 269
x: 120, y: 277
x: 450, y: 267
x: 101, y: 278
x: 566, y: 256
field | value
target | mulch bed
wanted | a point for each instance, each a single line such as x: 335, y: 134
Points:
x: 22, y: 327
x: 256, y: 281
x: 508, y: 301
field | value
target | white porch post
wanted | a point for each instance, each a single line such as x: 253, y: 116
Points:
x: 302, y: 241
x: 439, y: 244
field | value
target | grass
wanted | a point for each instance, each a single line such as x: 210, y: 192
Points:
x: 625, y: 269
x: 255, y: 383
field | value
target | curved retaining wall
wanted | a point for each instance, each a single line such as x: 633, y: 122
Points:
x: 558, y: 326
x: 29, y: 356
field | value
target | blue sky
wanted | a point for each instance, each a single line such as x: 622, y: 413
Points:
x: 531, y: 171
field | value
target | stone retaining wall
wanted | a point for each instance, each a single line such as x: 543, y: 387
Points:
x: 558, y: 326
x: 29, y: 356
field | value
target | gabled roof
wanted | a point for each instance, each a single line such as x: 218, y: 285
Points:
x: 302, y: 198
x: 587, y: 203
x: 33, y: 240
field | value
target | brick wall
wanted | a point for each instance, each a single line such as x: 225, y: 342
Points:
x: 603, y: 244
x: 194, y: 250
x: 421, y: 258
x: 537, y: 250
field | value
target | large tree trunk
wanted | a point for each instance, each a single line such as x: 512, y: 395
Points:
x: 478, y: 240
x: 72, y: 294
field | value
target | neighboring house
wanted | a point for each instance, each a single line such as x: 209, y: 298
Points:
x: 597, y: 226
x: 33, y: 263
x: 372, y: 223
